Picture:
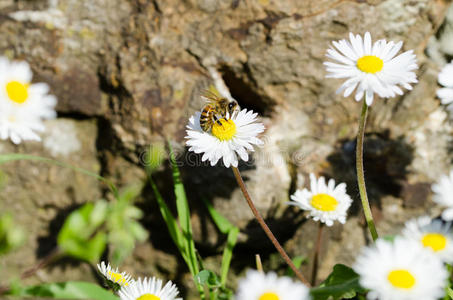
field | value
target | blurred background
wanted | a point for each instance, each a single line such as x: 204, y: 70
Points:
x: 129, y: 73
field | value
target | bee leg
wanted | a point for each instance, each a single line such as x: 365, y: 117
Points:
x: 217, y: 120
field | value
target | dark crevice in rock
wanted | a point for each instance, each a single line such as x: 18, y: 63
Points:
x: 105, y: 145
x: 74, y: 116
x: 48, y: 243
x: 108, y: 145
x: 242, y: 90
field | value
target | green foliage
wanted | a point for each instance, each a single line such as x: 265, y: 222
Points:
x: 449, y: 293
x: 297, y: 261
x: 181, y: 233
x: 342, y: 283
x: 155, y: 156
x: 212, y: 282
x: 80, y: 236
x: 65, y: 290
x: 389, y: 238
x: 11, y: 236
x: 180, y: 230
x: 87, y: 230
x: 182, y: 206
x: 122, y: 225
x: 232, y: 232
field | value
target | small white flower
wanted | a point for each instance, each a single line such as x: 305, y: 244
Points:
x: 445, y: 78
x: 233, y: 138
x: 371, y: 68
x: 401, y: 270
x: 149, y: 289
x: 23, y: 105
x: 259, y: 286
x: 432, y: 234
x: 326, y: 202
x: 443, y: 195
x: 123, y: 279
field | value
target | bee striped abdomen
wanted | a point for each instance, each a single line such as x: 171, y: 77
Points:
x: 207, y: 117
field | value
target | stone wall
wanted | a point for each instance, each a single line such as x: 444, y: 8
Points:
x: 128, y: 73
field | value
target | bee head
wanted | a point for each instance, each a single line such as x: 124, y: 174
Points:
x: 233, y: 106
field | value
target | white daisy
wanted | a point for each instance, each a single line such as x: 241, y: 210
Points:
x: 113, y: 275
x: 260, y: 286
x: 445, y: 78
x: 443, y: 195
x: 371, y: 68
x: 401, y: 270
x: 23, y: 105
x: 326, y: 202
x: 149, y: 289
x: 233, y: 138
x: 432, y: 234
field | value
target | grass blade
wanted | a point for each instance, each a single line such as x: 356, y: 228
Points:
x: 68, y: 290
x: 228, y: 254
x: 182, y: 207
x: 226, y: 228
x: 170, y: 221
x: 222, y: 223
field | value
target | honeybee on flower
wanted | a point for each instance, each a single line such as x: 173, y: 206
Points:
x: 216, y: 108
x: 230, y: 135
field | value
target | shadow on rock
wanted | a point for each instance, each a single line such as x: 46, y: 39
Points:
x: 48, y: 243
x: 385, y: 164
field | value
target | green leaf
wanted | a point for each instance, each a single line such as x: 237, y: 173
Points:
x: 169, y: 219
x: 11, y: 236
x: 450, y: 292
x: 389, y: 238
x: 67, y: 290
x: 155, y: 156
x: 297, y: 261
x: 182, y: 206
x: 228, y: 254
x: 17, y: 156
x: 123, y: 226
x: 80, y: 236
x: 227, y: 228
x: 222, y: 223
x: 342, y: 283
x: 208, y: 278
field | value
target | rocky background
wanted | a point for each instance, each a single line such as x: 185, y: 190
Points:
x: 128, y: 73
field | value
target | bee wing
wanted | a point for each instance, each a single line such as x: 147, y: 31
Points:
x: 211, y: 97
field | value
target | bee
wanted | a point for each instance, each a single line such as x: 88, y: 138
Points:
x: 216, y: 109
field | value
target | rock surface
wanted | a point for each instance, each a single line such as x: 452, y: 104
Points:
x: 128, y: 73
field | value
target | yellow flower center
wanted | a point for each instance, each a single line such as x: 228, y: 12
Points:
x: 118, y: 278
x: 435, y: 241
x: 324, y: 202
x: 269, y: 296
x: 224, y: 132
x: 148, y: 297
x: 402, y: 279
x: 17, y: 91
x: 370, y: 64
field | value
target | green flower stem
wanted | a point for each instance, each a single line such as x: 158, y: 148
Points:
x: 266, y: 229
x: 360, y: 174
